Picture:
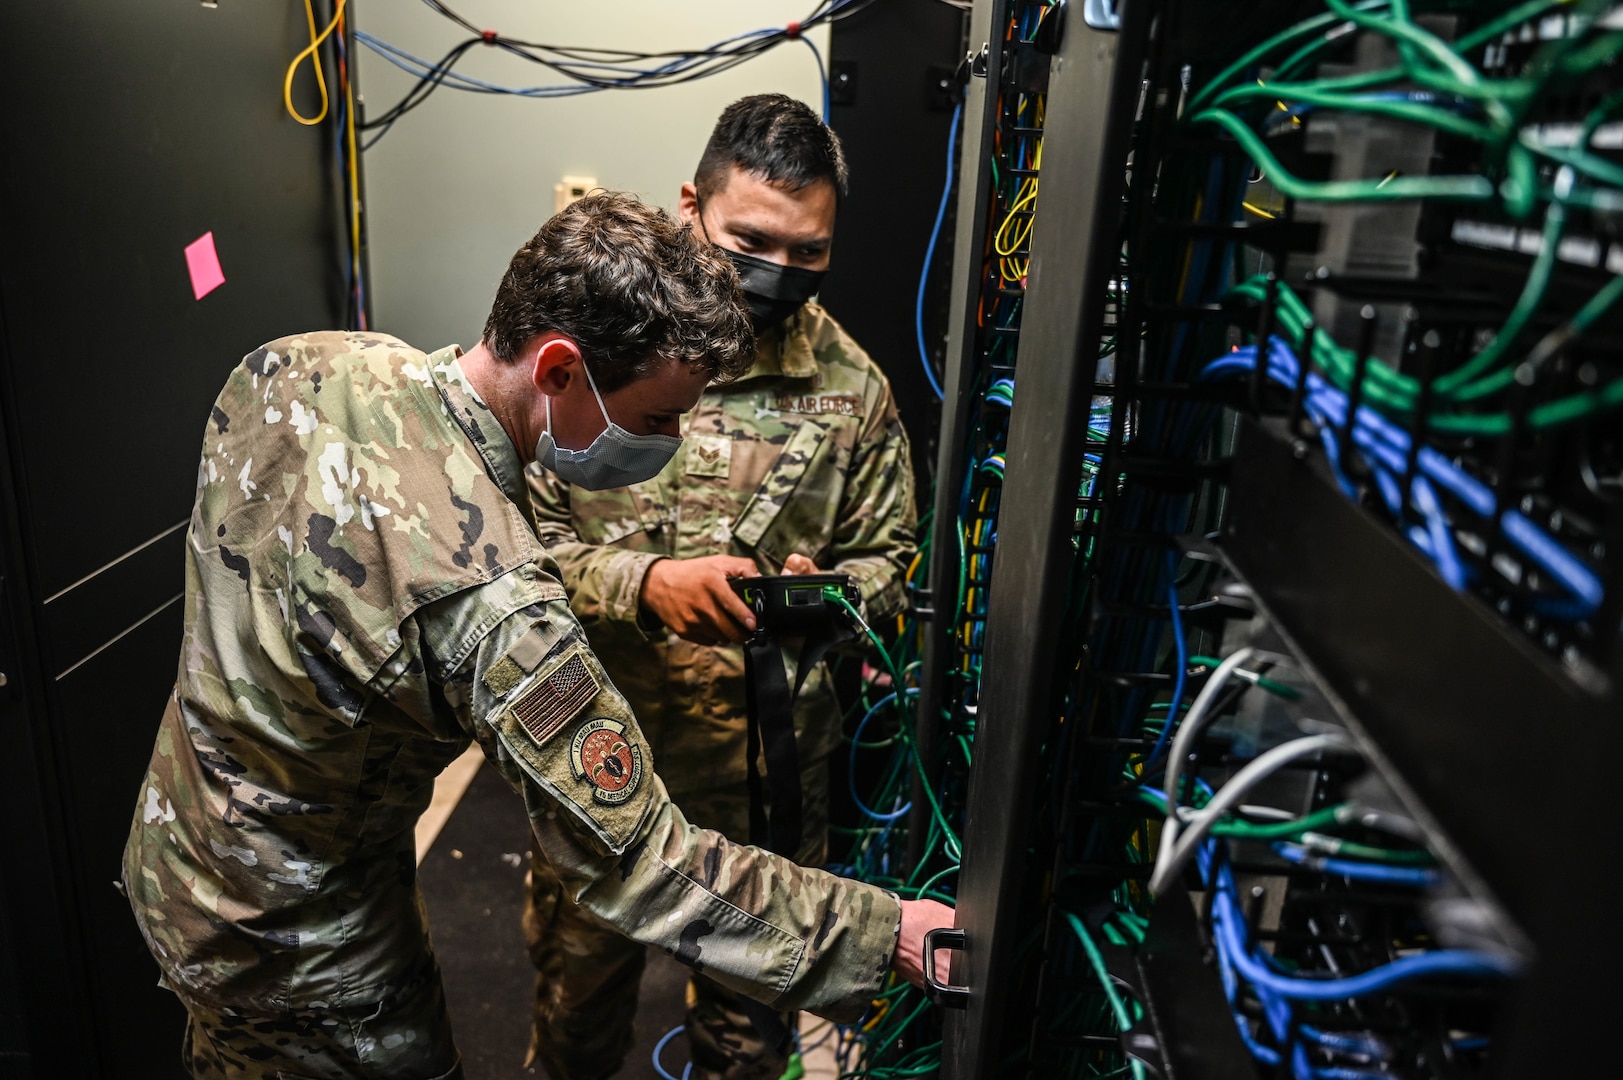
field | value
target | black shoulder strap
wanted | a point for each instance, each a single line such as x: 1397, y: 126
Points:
x: 771, y: 728
x: 769, y: 702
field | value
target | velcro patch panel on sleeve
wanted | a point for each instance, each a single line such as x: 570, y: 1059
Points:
x: 569, y: 728
x: 524, y: 657
x: 558, y: 696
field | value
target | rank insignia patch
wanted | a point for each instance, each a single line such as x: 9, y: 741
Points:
x: 557, y: 699
x: 602, y: 756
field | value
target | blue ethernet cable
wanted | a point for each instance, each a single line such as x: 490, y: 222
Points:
x: 1354, y: 870
x: 1228, y: 922
x: 929, y: 252
x: 856, y: 740
x: 1388, y: 445
x: 822, y: 72
x: 659, y: 1048
x: 1181, y: 647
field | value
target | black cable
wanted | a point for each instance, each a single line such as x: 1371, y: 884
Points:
x: 426, y: 85
x: 453, y: 16
x: 689, y: 65
x: 730, y: 53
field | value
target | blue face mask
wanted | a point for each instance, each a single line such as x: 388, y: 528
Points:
x: 616, y: 458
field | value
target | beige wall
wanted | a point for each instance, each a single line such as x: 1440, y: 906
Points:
x: 464, y: 179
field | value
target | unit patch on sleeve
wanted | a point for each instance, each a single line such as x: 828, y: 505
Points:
x: 602, y: 756
x: 557, y: 698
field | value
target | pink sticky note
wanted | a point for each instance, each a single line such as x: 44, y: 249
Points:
x: 204, y: 264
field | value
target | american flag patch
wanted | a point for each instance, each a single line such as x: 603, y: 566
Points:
x: 557, y: 699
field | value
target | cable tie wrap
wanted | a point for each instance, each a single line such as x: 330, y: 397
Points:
x: 489, y: 37
x: 792, y: 31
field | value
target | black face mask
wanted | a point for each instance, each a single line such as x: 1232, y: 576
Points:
x: 774, y: 292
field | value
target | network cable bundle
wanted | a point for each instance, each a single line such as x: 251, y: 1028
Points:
x: 1329, y: 566
x: 1459, y: 375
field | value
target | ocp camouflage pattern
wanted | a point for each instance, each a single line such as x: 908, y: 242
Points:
x: 587, y: 975
x: 406, y: 1035
x: 806, y: 453
x: 363, y: 597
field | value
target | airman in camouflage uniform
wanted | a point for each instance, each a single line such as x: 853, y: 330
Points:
x: 802, y: 462
x: 364, y: 596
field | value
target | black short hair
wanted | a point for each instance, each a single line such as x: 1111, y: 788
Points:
x: 776, y: 138
x: 631, y: 286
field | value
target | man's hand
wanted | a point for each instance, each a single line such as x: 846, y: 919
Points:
x: 799, y: 564
x: 918, y: 918
x: 692, y: 598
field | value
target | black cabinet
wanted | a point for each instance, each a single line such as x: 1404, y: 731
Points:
x: 131, y: 130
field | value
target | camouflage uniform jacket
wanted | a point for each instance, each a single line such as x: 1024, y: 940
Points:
x: 805, y: 454
x: 363, y: 595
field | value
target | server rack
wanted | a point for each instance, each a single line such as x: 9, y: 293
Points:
x: 1433, y: 685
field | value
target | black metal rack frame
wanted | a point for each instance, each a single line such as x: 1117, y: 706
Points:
x: 1094, y: 78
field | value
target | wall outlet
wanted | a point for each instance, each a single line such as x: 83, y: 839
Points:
x: 570, y: 188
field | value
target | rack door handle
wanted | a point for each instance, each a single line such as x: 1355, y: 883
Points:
x: 942, y: 993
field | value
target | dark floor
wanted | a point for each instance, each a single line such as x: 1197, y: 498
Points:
x: 473, y: 879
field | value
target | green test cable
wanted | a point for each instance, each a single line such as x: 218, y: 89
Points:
x: 954, y: 848
x: 1488, y: 372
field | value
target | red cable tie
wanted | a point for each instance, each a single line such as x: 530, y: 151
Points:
x: 792, y: 31
x: 489, y: 36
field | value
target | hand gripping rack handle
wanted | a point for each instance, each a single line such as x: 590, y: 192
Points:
x: 943, y: 993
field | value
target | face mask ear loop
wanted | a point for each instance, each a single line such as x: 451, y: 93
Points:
x: 547, y: 396
x: 604, y: 409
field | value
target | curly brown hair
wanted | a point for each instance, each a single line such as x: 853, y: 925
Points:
x: 631, y: 287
